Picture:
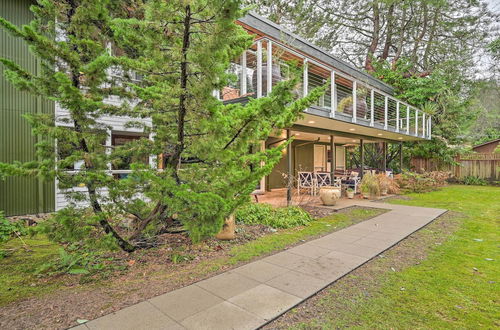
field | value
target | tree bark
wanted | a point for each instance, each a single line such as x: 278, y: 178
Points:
x: 173, y: 160
x: 420, y: 36
x: 375, y: 37
x: 390, y: 28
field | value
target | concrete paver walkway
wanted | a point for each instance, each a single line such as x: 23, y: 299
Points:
x: 251, y: 295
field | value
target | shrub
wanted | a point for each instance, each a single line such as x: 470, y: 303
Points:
x: 440, y: 177
x: 474, y: 181
x: 388, y: 184
x: 265, y: 214
x: 370, y: 185
x: 8, y: 229
x: 428, y: 181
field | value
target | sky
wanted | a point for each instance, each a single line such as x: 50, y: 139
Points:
x: 494, y: 5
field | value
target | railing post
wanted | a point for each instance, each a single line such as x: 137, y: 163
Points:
x: 269, y: 66
x: 243, y: 79
x: 423, y: 124
x: 305, y: 78
x: 354, y: 101
x: 416, y: 122
x: 407, y: 119
x: 430, y: 128
x: 259, y: 68
x: 333, y: 92
x: 397, y: 116
x: 386, y: 107
x: 372, y: 108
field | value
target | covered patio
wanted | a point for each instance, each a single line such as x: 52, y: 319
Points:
x: 321, y: 156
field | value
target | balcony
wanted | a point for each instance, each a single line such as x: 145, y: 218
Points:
x: 348, y: 100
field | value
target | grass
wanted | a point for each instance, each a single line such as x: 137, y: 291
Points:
x: 17, y: 271
x: 281, y: 239
x: 287, y: 237
x: 456, y: 286
x: 19, y: 281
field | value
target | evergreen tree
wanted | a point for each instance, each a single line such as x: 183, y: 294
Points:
x: 207, y: 151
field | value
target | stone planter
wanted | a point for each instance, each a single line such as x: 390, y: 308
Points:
x: 350, y: 194
x: 228, y: 230
x: 329, y: 195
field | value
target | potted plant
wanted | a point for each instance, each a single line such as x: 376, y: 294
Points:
x: 329, y: 195
x: 350, y: 193
x: 346, y: 104
x: 369, y: 186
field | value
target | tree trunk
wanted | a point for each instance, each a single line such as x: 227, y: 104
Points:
x: 375, y: 37
x: 94, y: 202
x: 390, y: 27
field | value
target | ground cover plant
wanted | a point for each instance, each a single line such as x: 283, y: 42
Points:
x: 57, y: 299
x: 452, y: 286
x: 265, y: 214
x: 473, y: 181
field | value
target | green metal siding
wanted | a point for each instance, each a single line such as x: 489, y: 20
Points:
x: 20, y: 195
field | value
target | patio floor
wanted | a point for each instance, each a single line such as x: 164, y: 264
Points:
x: 252, y: 295
x: 277, y: 197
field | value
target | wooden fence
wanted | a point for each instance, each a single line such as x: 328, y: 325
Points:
x: 483, y: 165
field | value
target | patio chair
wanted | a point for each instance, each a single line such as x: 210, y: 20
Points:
x: 306, y: 180
x: 353, y: 181
x: 324, y: 179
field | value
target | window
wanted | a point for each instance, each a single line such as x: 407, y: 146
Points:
x: 122, y: 163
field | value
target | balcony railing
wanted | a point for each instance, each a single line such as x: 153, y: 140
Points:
x: 348, y: 99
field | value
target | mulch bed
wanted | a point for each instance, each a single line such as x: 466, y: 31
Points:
x: 147, y: 273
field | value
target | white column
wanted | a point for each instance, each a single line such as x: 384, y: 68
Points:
x: 305, y: 77
x: 243, y: 79
x: 397, y: 116
x: 386, y: 107
x: 269, y: 67
x: 372, y: 108
x: 354, y: 101
x: 259, y: 69
x: 407, y: 120
x: 416, y: 122
x: 333, y: 92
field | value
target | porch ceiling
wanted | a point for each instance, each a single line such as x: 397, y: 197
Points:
x: 350, y: 131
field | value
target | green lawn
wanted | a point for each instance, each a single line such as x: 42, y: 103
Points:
x: 456, y: 286
x: 18, y: 271
x: 18, y: 279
